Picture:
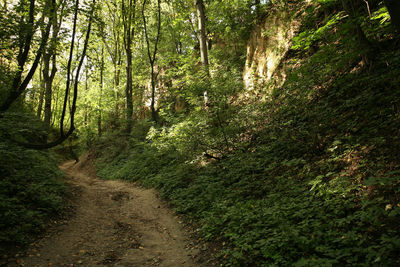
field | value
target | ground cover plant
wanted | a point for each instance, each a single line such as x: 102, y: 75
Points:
x: 31, y: 192
x: 271, y: 126
x: 307, y: 177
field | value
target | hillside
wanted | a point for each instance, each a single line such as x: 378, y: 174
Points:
x: 271, y: 127
x: 301, y: 170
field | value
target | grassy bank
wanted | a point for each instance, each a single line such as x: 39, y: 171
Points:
x: 307, y: 176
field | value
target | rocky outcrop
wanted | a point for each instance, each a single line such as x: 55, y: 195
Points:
x: 269, y: 42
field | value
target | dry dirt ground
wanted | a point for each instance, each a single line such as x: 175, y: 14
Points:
x: 114, y: 223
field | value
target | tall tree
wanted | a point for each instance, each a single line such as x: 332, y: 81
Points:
x: 41, y: 93
x: 27, y: 31
x: 201, y: 16
x: 128, y: 19
x: 50, y: 57
x: 64, y: 135
x: 152, y: 56
x: 99, y: 129
x: 113, y: 46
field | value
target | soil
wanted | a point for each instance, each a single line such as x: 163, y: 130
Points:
x: 114, y: 223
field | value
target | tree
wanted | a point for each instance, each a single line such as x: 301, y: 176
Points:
x: 50, y: 54
x: 64, y: 135
x: 27, y: 31
x: 152, y: 56
x: 128, y: 19
x: 99, y: 129
x: 201, y: 16
x: 111, y: 40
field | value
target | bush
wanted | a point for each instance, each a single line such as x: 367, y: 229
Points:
x: 30, y: 191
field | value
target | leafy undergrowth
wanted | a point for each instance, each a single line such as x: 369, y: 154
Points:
x: 307, y: 177
x: 30, y: 192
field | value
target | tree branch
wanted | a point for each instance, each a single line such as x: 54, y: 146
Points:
x: 64, y: 136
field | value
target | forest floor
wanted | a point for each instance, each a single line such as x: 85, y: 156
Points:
x: 113, y: 223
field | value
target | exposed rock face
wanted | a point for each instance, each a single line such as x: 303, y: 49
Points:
x: 269, y: 42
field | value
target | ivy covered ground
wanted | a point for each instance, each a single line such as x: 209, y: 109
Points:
x: 301, y: 170
x: 307, y: 176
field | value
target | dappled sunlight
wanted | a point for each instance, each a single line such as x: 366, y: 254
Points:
x: 268, y: 44
x: 269, y: 130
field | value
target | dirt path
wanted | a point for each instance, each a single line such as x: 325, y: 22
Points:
x: 114, y: 224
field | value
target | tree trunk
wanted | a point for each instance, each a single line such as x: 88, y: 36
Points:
x: 19, y: 86
x: 153, y: 93
x: 203, y: 43
x: 41, y: 94
x: 116, y: 86
x: 48, y: 91
x: 128, y: 17
x: 152, y: 57
x: 64, y: 136
x: 114, y: 52
x: 202, y: 32
x: 393, y: 7
x: 86, y: 112
x: 99, y: 130
x: 129, y: 91
x: 49, y: 57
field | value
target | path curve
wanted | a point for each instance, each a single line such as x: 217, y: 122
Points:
x: 115, y: 223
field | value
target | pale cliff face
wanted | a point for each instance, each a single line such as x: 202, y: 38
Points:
x: 268, y: 44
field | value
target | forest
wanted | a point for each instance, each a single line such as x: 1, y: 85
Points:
x: 271, y: 128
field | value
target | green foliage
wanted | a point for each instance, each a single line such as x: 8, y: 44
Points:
x: 327, y: 3
x: 307, y: 176
x: 307, y: 38
x: 30, y: 187
x: 30, y: 191
x: 234, y: 20
x: 382, y: 15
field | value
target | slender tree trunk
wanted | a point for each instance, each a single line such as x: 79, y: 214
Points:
x: 56, y: 100
x: 114, y: 52
x: 64, y: 136
x: 202, y: 32
x: 152, y: 57
x: 41, y: 94
x: 49, y: 57
x: 86, y: 115
x: 117, y: 74
x: 201, y: 15
x: 41, y: 100
x: 99, y: 130
x: 153, y: 94
x: 116, y: 86
x: 128, y: 17
x: 129, y: 91
x: 48, y: 92
x: 27, y: 32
